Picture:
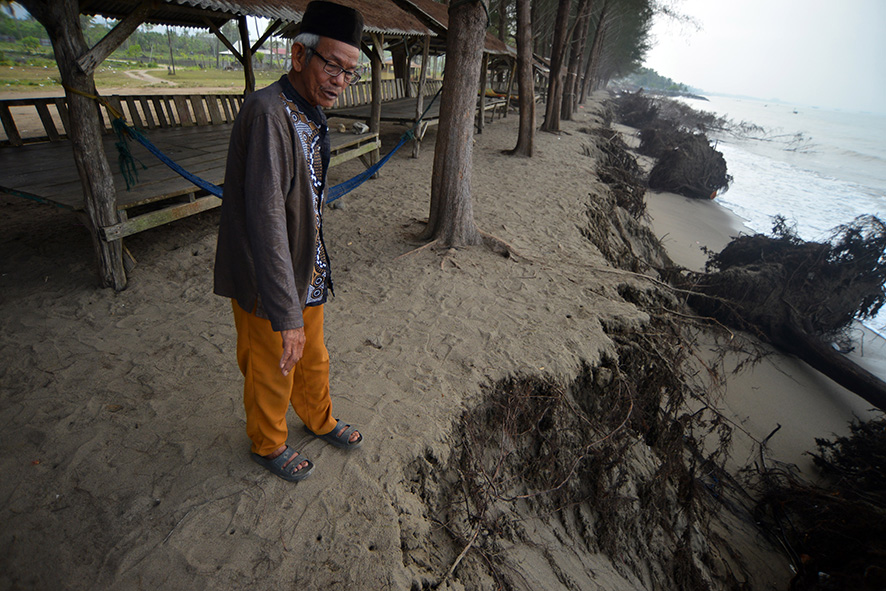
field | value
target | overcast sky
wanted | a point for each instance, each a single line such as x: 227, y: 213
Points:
x: 809, y: 52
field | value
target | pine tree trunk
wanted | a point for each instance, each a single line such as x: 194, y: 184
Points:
x: 451, y: 217
x: 525, y: 80
x: 597, y: 48
x: 836, y: 366
x: 555, y: 83
x: 62, y: 22
x: 576, y: 50
x: 503, y: 21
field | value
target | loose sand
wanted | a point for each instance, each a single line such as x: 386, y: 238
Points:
x: 124, y: 458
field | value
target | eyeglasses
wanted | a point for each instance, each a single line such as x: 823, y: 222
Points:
x: 335, y: 70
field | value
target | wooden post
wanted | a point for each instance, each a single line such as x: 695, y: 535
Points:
x: 484, y: 66
x: 62, y: 20
x: 376, y: 59
x: 376, y: 54
x: 169, y: 42
x: 511, y: 88
x: 246, y: 60
x: 420, y: 100
x: 525, y: 80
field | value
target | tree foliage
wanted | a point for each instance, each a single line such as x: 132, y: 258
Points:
x: 147, y: 39
x: 649, y: 79
x: 589, y: 43
x: 18, y: 28
x: 31, y: 44
x: 627, y: 38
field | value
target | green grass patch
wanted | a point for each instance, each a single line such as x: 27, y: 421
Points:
x: 112, y: 74
x: 13, y: 77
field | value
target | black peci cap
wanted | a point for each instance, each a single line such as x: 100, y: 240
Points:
x: 335, y: 21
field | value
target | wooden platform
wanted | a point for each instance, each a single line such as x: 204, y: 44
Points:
x: 396, y: 111
x: 402, y: 111
x: 193, y: 130
x: 46, y: 173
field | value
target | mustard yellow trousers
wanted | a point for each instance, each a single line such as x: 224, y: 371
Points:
x: 267, y: 393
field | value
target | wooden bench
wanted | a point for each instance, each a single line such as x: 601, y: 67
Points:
x: 495, y: 104
x: 193, y: 130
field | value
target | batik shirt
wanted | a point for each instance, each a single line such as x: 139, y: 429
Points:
x: 310, y: 127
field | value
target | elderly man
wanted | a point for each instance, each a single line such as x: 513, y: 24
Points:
x: 270, y: 259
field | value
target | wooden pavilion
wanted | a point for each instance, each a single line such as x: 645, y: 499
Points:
x: 408, y: 106
x: 436, y: 16
x: 82, y: 119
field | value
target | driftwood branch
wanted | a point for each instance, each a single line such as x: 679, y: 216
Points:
x: 460, y: 557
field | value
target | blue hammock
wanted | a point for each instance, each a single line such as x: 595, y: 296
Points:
x: 130, y: 171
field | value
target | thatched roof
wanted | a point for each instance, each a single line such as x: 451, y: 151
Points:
x: 436, y: 16
x: 380, y: 16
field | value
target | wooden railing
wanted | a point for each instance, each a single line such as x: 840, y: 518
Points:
x: 27, y: 157
x: 361, y: 93
x: 47, y: 118
x: 144, y: 111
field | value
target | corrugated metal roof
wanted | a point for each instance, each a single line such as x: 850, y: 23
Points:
x: 380, y: 16
x: 436, y: 16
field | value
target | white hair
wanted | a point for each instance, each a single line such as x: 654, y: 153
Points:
x: 309, y: 40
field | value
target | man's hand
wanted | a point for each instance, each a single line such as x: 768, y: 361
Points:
x: 293, y: 349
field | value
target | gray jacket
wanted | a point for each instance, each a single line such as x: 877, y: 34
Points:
x: 270, y: 256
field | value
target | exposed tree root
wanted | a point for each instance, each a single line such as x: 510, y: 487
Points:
x: 493, y: 243
x: 431, y: 244
x: 499, y: 246
x: 834, y: 532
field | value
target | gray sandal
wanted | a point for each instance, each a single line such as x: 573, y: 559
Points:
x: 344, y: 440
x: 279, y: 467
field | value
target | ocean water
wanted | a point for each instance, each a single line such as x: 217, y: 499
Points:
x: 818, y: 168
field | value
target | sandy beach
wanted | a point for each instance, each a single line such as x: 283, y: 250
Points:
x: 123, y: 450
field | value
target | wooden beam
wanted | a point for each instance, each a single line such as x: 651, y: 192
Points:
x: 420, y: 100
x: 88, y: 62
x: 368, y: 148
x: 268, y: 32
x: 157, y: 218
x: 221, y: 37
x: 246, y: 60
x: 375, y: 50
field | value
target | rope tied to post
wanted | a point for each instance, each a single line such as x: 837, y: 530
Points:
x: 125, y: 160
